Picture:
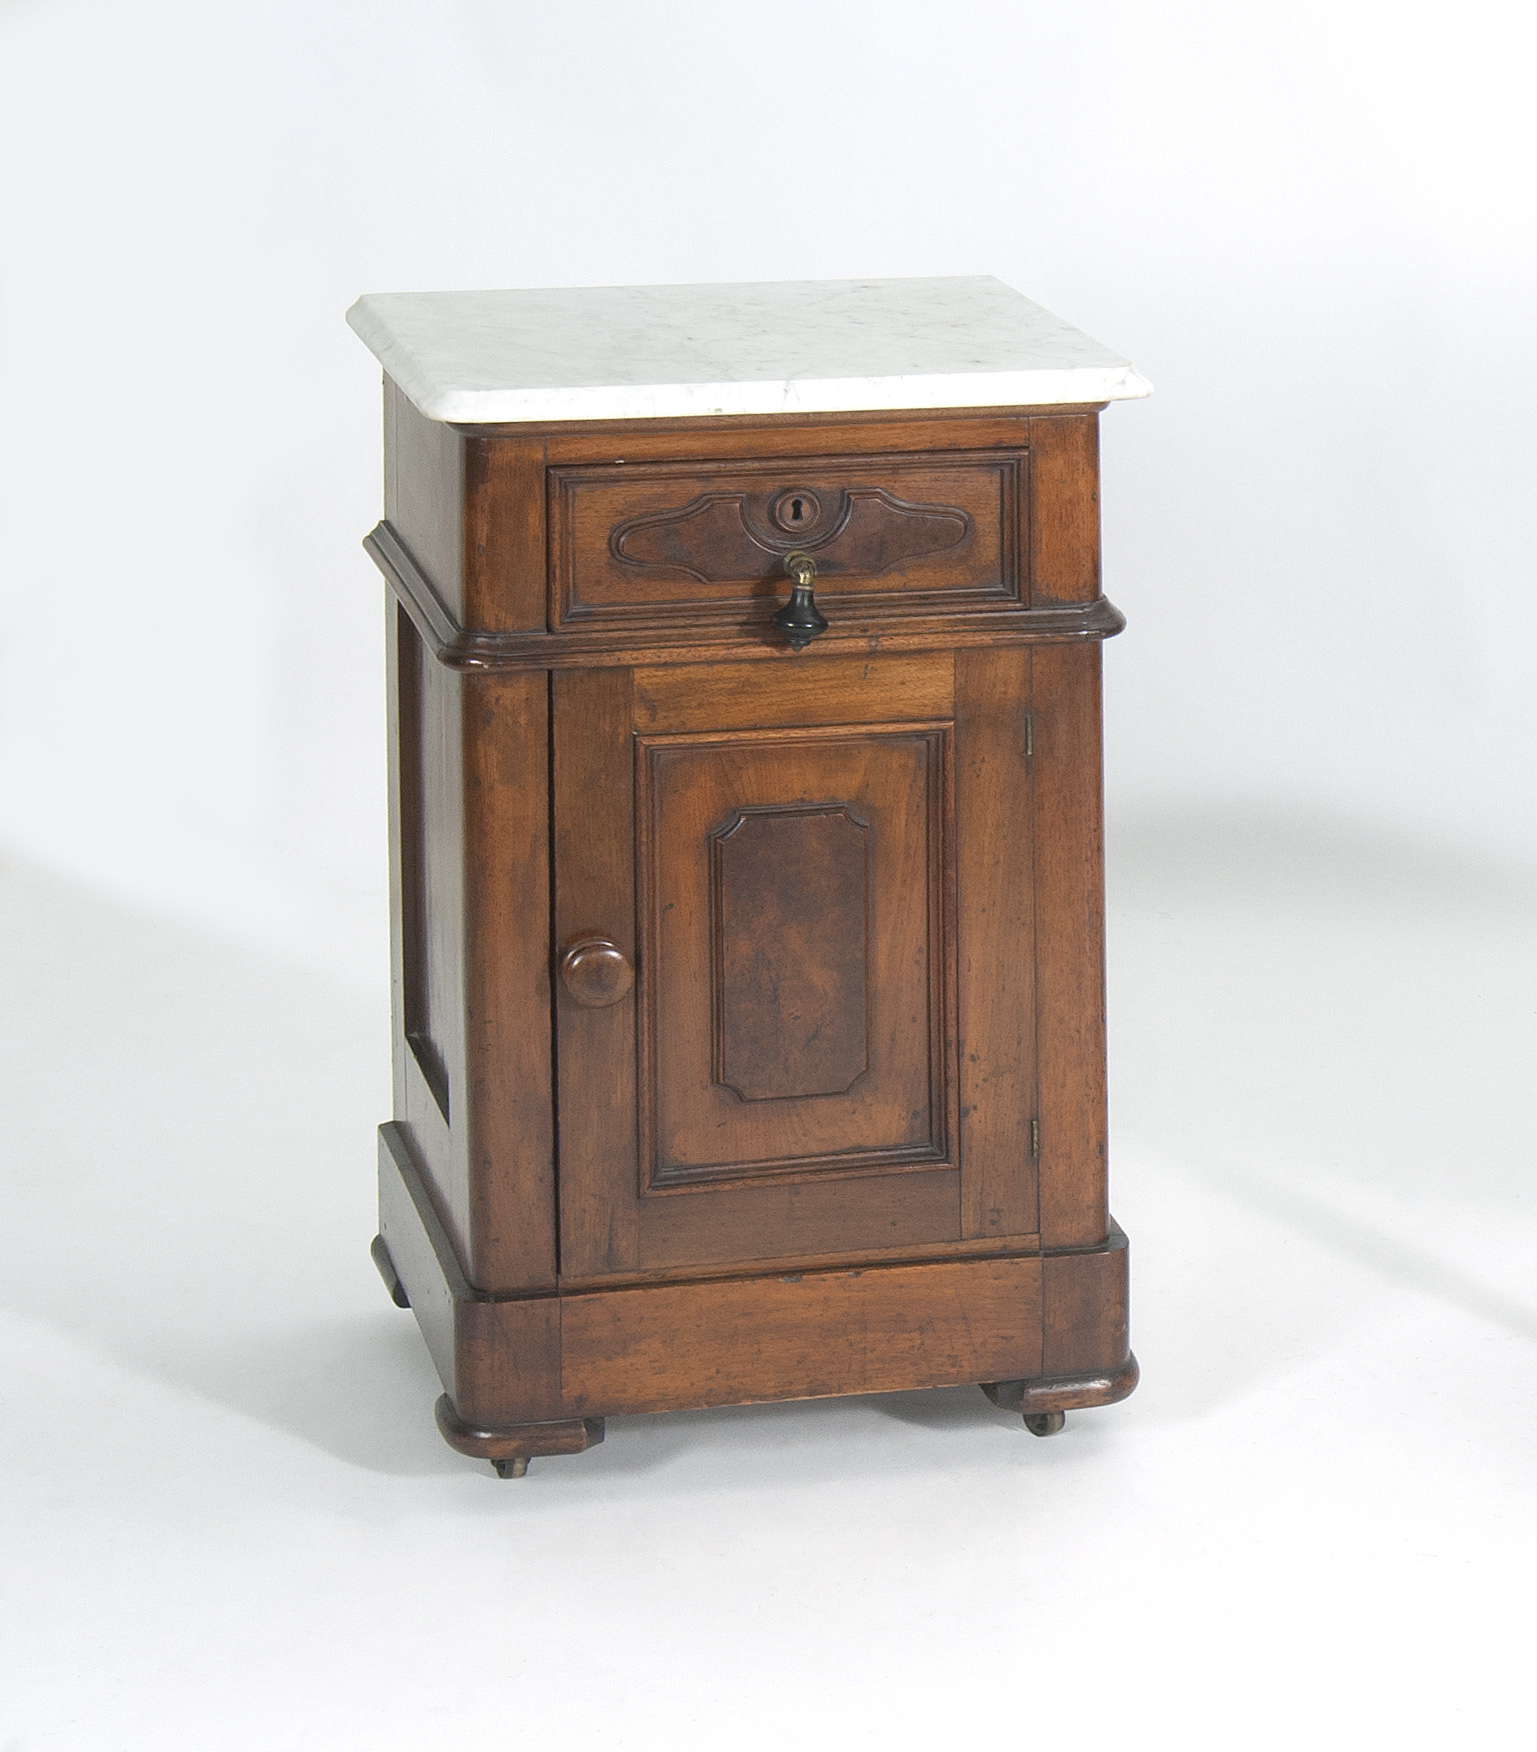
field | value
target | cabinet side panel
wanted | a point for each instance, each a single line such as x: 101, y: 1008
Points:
x: 425, y: 866
x: 594, y: 825
x: 404, y: 808
x: 997, y: 943
x: 424, y: 493
x: 508, y: 1108
x: 435, y: 1014
x: 1064, y: 491
x: 1070, y: 936
x: 419, y: 1249
x: 418, y: 877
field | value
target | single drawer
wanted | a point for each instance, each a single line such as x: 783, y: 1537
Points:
x: 696, y: 544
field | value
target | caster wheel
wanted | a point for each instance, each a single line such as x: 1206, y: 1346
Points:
x: 1044, y: 1423
x: 515, y: 1468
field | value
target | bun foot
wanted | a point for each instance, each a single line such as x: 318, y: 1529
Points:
x: 1044, y: 1398
x: 510, y: 1447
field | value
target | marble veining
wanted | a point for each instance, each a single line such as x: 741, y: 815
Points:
x: 808, y: 346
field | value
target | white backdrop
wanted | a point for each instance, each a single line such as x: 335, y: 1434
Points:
x: 1312, y: 227
x: 228, y: 1520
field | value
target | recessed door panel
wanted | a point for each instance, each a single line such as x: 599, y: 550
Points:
x: 791, y: 899
x: 828, y: 1047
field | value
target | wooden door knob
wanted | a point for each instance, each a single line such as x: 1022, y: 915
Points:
x: 596, y: 972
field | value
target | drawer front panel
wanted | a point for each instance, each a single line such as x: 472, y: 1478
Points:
x: 685, y: 543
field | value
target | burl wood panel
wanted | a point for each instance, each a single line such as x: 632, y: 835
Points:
x: 801, y: 1336
x: 645, y: 542
x: 870, y: 970
x: 790, y: 925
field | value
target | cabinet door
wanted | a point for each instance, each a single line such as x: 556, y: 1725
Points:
x: 800, y: 861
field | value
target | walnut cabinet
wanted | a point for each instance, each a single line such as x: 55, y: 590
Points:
x: 748, y: 999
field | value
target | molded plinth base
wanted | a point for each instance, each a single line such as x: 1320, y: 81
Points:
x: 537, y: 1374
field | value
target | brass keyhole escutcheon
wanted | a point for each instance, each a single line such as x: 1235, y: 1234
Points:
x: 796, y: 510
x: 596, y: 972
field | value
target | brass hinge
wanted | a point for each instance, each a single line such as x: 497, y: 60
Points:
x: 1035, y: 1139
x: 1029, y: 734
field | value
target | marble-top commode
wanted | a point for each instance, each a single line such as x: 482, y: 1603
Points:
x: 660, y: 352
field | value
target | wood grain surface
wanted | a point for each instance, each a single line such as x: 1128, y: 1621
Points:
x: 643, y: 543
x: 801, y: 1336
x: 823, y: 1109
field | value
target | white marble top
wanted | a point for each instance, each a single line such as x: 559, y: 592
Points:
x: 788, y: 346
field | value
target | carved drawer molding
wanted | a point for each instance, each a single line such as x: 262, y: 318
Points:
x: 904, y: 534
